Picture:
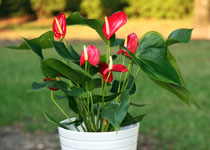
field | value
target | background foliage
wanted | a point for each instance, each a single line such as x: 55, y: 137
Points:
x: 96, y: 8
x: 159, y: 8
x: 19, y: 8
x: 47, y: 7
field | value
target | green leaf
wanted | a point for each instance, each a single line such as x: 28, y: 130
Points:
x: 60, y: 97
x: 138, y: 105
x: 53, y: 121
x: 48, y: 84
x: 132, y: 120
x: 97, y: 24
x: 74, y: 55
x: 157, y: 62
x: 180, y: 91
x: 40, y: 86
x: 72, y: 104
x: 77, y: 122
x: 172, y: 60
x: 116, y: 112
x: 152, y: 58
x: 103, y: 58
x: 98, y: 98
x: 117, y: 42
x: 179, y: 36
x: 61, y: 49
x: 93, y: 70
x: 152, y: 54
x: 73, y: 92
x: 34, y: 47
x: 95, y: 83
x: 115, y: 86
x: 54, y: 68
x: 43, y: 41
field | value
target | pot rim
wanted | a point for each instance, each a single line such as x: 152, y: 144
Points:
x: 123, y: 129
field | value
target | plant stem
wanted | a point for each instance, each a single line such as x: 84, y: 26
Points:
x: 137, y: 73
x: 126, y: 75
x: 53, y: 99
x: 64, y: 41
x: 104, y: 93
x: 81, y: 113
x: 99, y: 105
x: 87, y: 124
x: 92, y: 111
x: 123, y: 63
x: 106, y: 127
x: 129, y: 77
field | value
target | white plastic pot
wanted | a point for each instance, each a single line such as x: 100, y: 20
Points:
x: 124, y: 139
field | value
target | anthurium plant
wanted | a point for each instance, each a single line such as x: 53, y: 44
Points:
x: 100, y: 102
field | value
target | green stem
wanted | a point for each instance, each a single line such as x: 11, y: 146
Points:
x: 99, y: 105
x: 102, y: 85
x: 81, y: 113
x: 126, y: 75
x: 123, y: 63
x: 90, y: 118
x: 64, y: 41
x: 98, y: 112
x: 106, y: 127
x: 137, y: 73
x: 53, y: 99
x: 104, y: 91
x: 86, y: 66
x: 129, y: 77
x: 87, y: 124
x: 92, y: 112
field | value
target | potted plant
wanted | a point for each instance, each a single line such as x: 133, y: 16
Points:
x: 100, y: 102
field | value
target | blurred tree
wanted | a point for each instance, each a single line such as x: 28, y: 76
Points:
x: 11, y: 8
x: 159, y: 8
x: 73, y: 5
x: 45, y: 8
x: 201, y: 12
x: 99, y: 8
x: 92, y: 8
x: 111, y: 6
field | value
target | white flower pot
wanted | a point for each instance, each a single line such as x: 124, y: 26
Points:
x: 124, y: 139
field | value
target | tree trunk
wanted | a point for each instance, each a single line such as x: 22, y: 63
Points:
x: 201, y: 12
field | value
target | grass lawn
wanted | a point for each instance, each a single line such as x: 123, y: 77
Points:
x: 172, y: 123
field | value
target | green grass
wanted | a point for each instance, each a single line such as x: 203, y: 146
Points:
x: 172, y: 123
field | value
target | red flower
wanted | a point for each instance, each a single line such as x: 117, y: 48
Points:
x: 53, y: 89
x: 131, y: 43
x: 91, y: 54
x: 113, y: 23
x: 59, y: 26
x: 104, y: 69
